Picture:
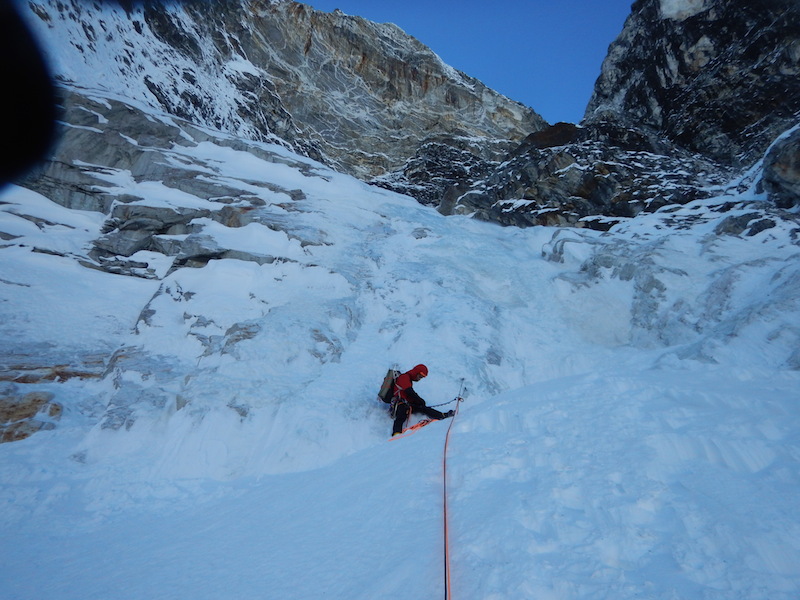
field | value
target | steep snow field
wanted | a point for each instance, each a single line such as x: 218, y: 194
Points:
x: 631, y: 427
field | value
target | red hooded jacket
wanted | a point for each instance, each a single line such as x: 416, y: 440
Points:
x: 403, y: 384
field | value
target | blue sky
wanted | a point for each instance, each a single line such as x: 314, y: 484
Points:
x: 544, y: 53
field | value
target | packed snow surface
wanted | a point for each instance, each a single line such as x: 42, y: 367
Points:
x: 630, y: 429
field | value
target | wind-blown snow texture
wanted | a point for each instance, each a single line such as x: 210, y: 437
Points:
x: 632, y: 428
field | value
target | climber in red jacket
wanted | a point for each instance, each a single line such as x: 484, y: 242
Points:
x: 406, y: 399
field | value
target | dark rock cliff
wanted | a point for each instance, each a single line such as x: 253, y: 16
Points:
x: 720, y: 78
x: 691, y: 94
x: 362, y: 97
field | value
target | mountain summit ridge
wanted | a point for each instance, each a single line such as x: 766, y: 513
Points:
x: 362, y: 97
x: 690, y: 95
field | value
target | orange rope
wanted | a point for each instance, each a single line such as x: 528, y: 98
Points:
x: 444, y: 495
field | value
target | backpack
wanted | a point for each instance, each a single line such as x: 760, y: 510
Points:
x: 387, y: 387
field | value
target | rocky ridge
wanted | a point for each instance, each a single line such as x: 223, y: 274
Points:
x: 691, y: 95
x: 781, y: 179
x: 718, y: 78
x: 362, y: 97
x: 590, y: 176
x: 98, y: 157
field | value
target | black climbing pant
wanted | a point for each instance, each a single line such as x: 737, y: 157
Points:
x: 401, y: 414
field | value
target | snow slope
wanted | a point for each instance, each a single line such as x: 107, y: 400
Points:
x: 631, y: 428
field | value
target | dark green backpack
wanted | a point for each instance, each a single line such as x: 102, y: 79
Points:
x: 387, y: 387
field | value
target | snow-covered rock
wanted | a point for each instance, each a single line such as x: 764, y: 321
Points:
x: 781, y: 177
x: 691, y: 94
x: 587, y: 176
x: 717, y: 77
x: 361, y: 96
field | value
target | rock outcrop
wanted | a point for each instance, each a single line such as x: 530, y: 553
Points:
x: 23, y: 414
x: 716, y: 77
x: 149, y: 198
x: 362, y: 97
x: 588, y: 176
x: 97, y: 156
x: 782, y: 171
x: 691, y: 94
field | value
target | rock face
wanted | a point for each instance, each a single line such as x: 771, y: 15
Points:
x: 22, y: 415
x: 782, y: 171
x: 362, y: 97
x: 97, y: 155
x: 691, y: 94
x: 716, y: 77
x: 589, y: 177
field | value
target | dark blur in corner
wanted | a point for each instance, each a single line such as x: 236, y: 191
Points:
x: 28, y: 108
